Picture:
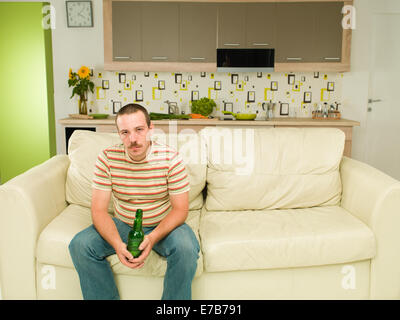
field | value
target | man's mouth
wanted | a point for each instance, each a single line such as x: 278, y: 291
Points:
x: 135, y: 147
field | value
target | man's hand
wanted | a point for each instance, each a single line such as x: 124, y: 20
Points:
x: 146, y: 246
x: 126, y: 257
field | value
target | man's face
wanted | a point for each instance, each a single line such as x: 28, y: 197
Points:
x: 135, y: 134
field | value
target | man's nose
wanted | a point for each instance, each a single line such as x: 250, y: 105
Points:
x: 133, y: 137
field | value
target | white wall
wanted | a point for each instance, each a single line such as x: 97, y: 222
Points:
x: 72, y: 48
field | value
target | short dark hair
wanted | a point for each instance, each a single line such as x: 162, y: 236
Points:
x: 132, y: 108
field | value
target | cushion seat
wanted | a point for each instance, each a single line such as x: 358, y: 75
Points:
x: 268, y: 239
x: 54, y: 240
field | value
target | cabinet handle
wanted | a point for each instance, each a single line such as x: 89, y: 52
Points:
x: 159, y: 58
x: 232, y: 44
x: 328, y: 58
x: 372, y: 100
x: 260, y: 44
x: 195, y: 58
x: 124, y: 58
x: 294, y: 59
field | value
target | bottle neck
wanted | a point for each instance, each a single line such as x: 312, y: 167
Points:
x: 137, y: 224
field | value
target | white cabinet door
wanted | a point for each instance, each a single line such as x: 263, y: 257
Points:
x: 383, y: 111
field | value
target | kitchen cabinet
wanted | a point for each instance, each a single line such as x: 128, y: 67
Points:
x: 327, y: 32
x: 183, y: 35
x: 310, y: 37
x: 231, y: 25
x: 261, y: 25
x: 160, y: 31
x: 126, y: 31
x: 250, y: 25
x: 198, y: 32
x: 108, y: 125
x: 295, y: 25
x: 309, y: 32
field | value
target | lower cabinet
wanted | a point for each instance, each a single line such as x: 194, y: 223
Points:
x: 70, y: 130
x: 196, y: 125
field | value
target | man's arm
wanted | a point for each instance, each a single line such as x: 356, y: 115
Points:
x: 175, y: 218
x: 106, y: 227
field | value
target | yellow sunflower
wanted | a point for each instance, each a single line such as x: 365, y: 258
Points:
x: 71, y: 76
x: 83, y: 72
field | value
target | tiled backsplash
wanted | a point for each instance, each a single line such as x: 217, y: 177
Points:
x: 299, y: 93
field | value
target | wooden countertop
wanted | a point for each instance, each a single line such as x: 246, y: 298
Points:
x: 203, y: 122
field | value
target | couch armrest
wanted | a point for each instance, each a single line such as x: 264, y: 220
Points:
x: 28, y: 203
x: 374, y: 198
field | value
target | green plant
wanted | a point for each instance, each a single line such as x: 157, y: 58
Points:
x: 204, y: 106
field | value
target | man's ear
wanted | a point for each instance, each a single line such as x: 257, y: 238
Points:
x: 150, y: 132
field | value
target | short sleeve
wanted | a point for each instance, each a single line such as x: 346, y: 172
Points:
x: 178, y: 180
x: 102, y: 176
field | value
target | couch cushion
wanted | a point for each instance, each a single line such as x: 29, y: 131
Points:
x: 280, y: 168
x: 84, y: 147
x: 52, y: 247
x: 250, y: 240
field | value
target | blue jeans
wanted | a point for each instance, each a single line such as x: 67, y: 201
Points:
x: 88, y: 252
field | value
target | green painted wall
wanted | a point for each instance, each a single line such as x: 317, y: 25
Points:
x: 27, y: 125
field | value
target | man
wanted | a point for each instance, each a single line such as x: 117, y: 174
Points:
x: 144, y: 174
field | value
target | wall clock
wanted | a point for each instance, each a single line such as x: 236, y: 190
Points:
x: 79, y: 14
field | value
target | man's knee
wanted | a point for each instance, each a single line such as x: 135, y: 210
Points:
x: 76, y: 245
x: 81, y: 243
x: 187, y: 245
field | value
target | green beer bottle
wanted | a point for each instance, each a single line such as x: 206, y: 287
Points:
x: 136, y: 235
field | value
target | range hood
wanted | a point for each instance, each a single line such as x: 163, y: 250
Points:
x: 245, y: 60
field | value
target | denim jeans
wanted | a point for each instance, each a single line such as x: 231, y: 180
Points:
x: 88, y: 252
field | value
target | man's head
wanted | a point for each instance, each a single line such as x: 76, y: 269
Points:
x: 134, y: 128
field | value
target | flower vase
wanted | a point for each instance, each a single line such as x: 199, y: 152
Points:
x: 82, y: 105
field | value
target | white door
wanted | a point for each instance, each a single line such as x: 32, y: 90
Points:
x: 383, y: 116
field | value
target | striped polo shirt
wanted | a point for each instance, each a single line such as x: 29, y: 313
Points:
x: 144, y: 185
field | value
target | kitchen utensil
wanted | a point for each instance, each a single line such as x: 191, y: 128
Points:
x: 99, y: 115
x: 242, y: 116
x: 163, y: 116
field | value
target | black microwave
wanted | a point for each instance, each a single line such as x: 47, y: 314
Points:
x: 245, y: 60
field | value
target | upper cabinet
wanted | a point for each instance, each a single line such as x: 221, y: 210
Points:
x: 250, y: 25
x: 232, y: 25
x: 310, y: 37
x: 126, y: 31
x: 327, y: 35
x: 309, y: 32
x: 197, y: 32
x: 295, y: 27
x: 184, y: 35
x: 261, y: 25
x: 160, y: 30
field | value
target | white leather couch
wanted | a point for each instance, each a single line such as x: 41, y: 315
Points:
x: 285, y: 216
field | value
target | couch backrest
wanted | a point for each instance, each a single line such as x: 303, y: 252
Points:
x: 270, y: 168
x: 84, y: 147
